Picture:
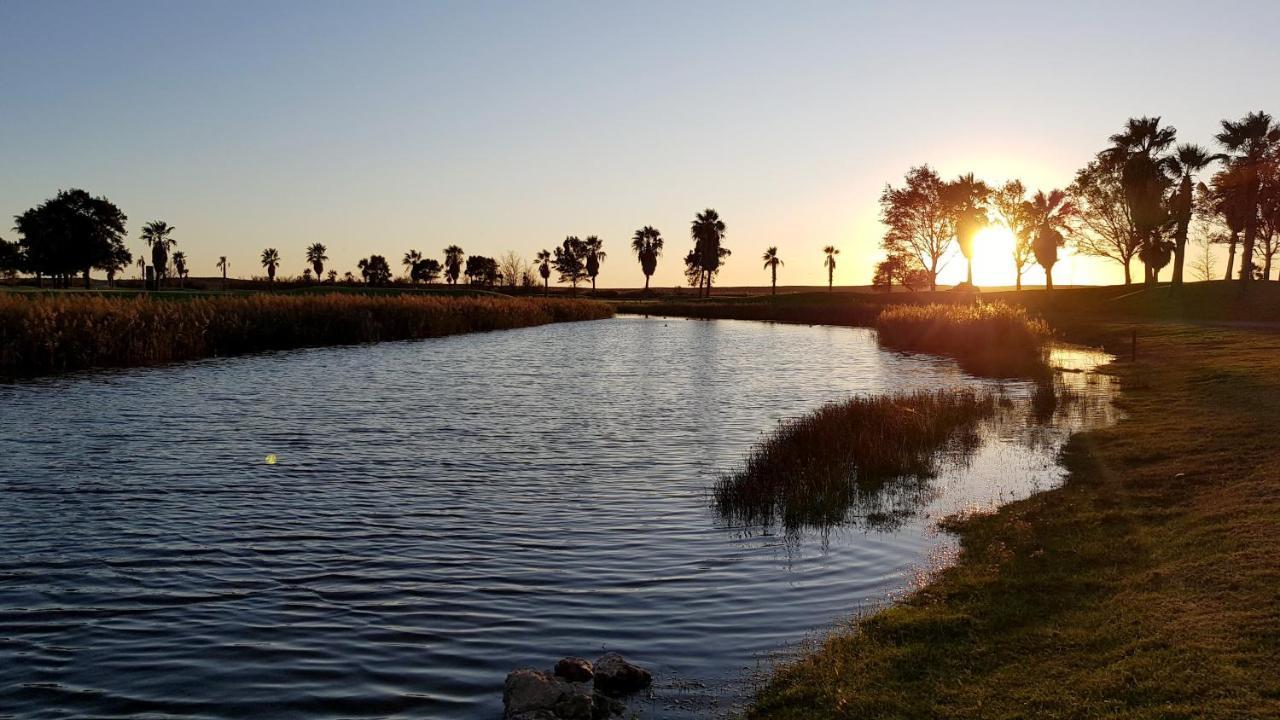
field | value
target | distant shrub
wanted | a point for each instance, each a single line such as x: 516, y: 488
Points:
x: 51, y: 333
x: 987, y: 338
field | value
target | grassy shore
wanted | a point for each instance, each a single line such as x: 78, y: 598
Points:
x: 47, y: 333
x: 1147, y: 586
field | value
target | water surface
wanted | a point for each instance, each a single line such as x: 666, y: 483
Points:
x: 443, y: 511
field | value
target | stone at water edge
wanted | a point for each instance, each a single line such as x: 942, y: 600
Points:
x: 616, y: 676
x: 574, y: 669
x: 530, y: 694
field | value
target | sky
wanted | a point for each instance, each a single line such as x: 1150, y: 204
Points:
x: 377, y: 127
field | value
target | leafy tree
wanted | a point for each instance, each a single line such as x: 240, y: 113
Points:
x: 1187, y: 160
x: 271, y: 261
x: 348, y: 278
x: 771, y: 263
x: 11, y: 260
x: 71, y: 233
x: 316, y: 257
x: 570, y: 261
x: 1144, y: 175
x: 919, y: 221
x: 306, y: 276
x: 375, y: 270
x: 223, y: 265
x: 426, y: 270
x: 595, y: 256
x: 647, y: 243
x: 966, y: 199
x: 1102, y: 225
x: 1228, y: 200
x: 829, y: 262
x: 158, y: 235
x: 893, y: 268
x: 1251, y: 140
x: 1269, y: 211
x: 453, y: 256
x: 1010, y: 202
x: 180, y: 267
x: 482, y: 270
x: 1049, y: 213
x: 708, y: 232
x: 332, y: 277
x: 1203, y: 263
x: 544, y: 269
x: 410, y: 261
x: 119, y: 259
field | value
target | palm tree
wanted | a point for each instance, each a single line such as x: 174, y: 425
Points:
x: 453, y: 256
x: 142, y: 271
x: 1187, y: 160
x: 157, y: 235
x: 966, y: 197
x: 316, y: 257
x: 544, y: 269
x: 771, y: 262
x: 332, y: 277
x: 830, y: 264
x: 1251, y: 139
x: 708, y: 232
x: 595, y: 256
x: 410, y: 261
x: 222, y: 265
x: 180, y: 266
x: 1156, y: 256
x: 1049, y: 214
x: 647, y: 245
x: 1144, y: 175
x: 270, y: 261
x: 1227, y: 199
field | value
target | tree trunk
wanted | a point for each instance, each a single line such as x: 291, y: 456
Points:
x: 86, y: 278
x: 969, y: 276
x: 646, y: 283
x: 1231, y: 255
x: 1128, y: 273
x: 1018, y: 285
x: 1179, y: 250
x: 831, y: 274
x: 1048, y: 278
x: 775, y: 280
x: 1246, y: 253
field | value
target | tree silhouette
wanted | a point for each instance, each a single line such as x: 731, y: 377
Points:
x: 965, y: 199
x: 375, y: 270
x: 830, y: 264
x: 482, y: 270
x: 157, y: 234
x: 1138, y: 150
x: 771, y: 263
x: 271, y: 261
x: 1187, y: 160
x: 332, y: 277
x: 708, y: 232
x: 919, y: 224
x: 1228, y: 201
x: 1102, y: 225
x: 1010, y: 201
x: 1050, y: 213
x: 647, y: 243
x: 316, y: 257
x: 180, y: 267
x: 1250, y: 140
x: 594, y: 256
x: 223, y: 265
x: 453, y: 256
x: 570, y: 261
x: 119, y: 259
x: 70, y: 233
x: 410, y: 261
x: 544, y: 269
x: 425, y: 270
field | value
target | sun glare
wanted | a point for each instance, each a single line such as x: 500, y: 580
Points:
x: 993, y: 256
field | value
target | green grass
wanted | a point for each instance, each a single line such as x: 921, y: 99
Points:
x: 1147, y: 586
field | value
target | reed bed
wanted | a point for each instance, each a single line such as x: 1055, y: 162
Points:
x: 817, y: 470
x: 991, y: 339
x: 43, y: 334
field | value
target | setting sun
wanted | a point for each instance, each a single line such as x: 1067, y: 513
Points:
x: 992, y: 256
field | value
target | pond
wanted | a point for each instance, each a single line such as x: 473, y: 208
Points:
x: 440, y: 512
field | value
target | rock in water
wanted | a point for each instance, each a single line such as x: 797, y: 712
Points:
x: 530, y: 694
x: 574, y: 669
x: 616, y: 676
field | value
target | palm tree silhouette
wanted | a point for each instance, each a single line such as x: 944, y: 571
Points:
x: 1251, y: 139
x: 453, y: 256
x: 544, y: 269
x: 157, y: 234
x: 771, y: 262
x: 647, y: 243
x: 708, y: 232
x: 1138, y: 151
x: 410, y: 261
x: 271, y: 261
x: 966, y: 196
x: 830, y: 264
x: 316, y: 257
x: 1049, y: 213
x: 180, y: 267
x: 595, y: 256
x: 142, y: 271
x: 1187, y: 160
x: 222, y: 265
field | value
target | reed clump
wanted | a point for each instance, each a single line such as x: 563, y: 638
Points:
x: 992, y: 339
x: 816, y: 470
x: 43, y: 334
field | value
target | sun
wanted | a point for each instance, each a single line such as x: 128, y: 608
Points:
x: 993, y: 256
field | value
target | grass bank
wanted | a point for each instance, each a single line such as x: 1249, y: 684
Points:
x: 42, y: 334
x: 1147, y: 586
x: 991, y: 339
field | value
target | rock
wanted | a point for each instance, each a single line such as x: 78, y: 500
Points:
x: 616, y: 676
x: 606, y: 707
x: 574, y: 669
x: 530, y: 694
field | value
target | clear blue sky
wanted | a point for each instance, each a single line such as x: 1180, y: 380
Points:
x: 381, y: 126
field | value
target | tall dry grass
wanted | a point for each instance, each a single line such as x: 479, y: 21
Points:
x: 816, y: 470
x: 43, y: 334
x: 987, y: 338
